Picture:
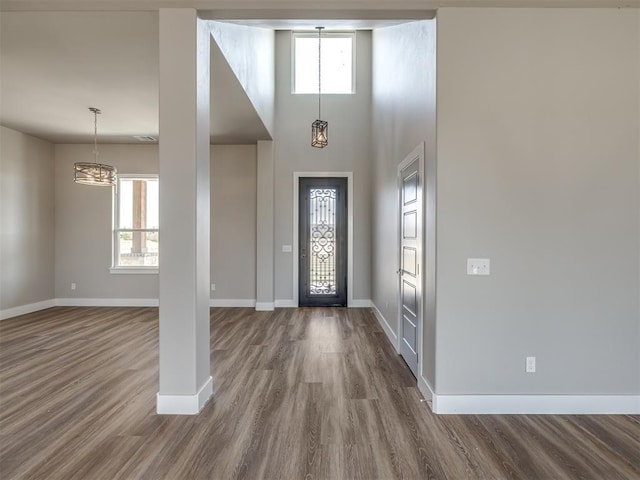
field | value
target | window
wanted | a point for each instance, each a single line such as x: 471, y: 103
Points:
x: 337, y: 62
x: 136, y: 223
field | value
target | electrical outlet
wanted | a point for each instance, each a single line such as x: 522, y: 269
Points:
x: 73, y: 286
x: 531, y: 365
x: 213, y: 287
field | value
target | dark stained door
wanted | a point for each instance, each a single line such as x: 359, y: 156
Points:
x: 322, y: 279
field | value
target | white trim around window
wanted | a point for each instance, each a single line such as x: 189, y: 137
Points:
x: 117, y: 229
x: 327, y: 66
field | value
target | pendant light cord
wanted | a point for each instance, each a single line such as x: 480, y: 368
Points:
x: 319, y: 71
x: 95, y: 111
x: 95, y: 135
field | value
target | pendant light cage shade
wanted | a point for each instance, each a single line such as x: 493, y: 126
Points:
x: 319, y: 134
x: 89, y: 173
x: 94, y: 173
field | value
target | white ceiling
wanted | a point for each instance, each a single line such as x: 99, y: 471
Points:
x: 55, y: 65
x: 104, y: 53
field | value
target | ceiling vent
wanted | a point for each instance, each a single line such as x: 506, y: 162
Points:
x: 145, y: 138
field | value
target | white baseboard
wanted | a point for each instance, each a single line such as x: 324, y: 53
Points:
x: 106, y: 302
x: 185, y: 404
x: 426, y: 389
x: 537, y: 404
x: 360, y: 303
x: 285, y: 304
x: 144, y: 302
x: 232, y: 302
x: 24, y: 309
x: 265, y: 306
x: 152, y: 302
x: 112, y: 302
x: 393, y: 338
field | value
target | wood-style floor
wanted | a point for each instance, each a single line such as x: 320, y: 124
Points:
x: 298, y: 394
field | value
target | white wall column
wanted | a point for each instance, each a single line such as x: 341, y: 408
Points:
x: 264, y: 228
x: 185, y: 379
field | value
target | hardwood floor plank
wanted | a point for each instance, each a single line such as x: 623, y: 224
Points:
x: 617, y: 437
x: 315, y: 393
x: 558, y: 450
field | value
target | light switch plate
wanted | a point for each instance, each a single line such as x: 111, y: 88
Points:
x: 478, y: 266
x: 287, y: 249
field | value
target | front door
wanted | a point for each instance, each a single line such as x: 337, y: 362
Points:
x: 410, y: 254
x: 323, y: 242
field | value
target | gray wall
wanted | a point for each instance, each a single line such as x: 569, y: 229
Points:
x: 349, y: 118
x: 233, y: 222
x: 26, y: 220
x: 538, y: 160
x: 403, y: 116
x: 250, y: 54
x: 83, y: 224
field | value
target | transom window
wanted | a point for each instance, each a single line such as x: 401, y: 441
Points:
x: 338, y: 54
x: 136, y: 223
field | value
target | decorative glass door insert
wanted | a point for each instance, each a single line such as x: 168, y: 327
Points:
x: 322, y: 241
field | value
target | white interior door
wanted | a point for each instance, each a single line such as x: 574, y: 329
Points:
x: 410, y: 258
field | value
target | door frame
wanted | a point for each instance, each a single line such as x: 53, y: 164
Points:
x: 296, y: 221
x: 417, y: 154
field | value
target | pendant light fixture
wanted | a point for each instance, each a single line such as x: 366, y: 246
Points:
x: 94, y: 173
x: 319, y: 128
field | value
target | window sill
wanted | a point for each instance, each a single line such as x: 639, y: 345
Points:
x: 133, y: 271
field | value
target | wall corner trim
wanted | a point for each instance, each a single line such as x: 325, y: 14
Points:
x: 537, y: 404
x: 185, y: 404
x: 393, y: 338
x: 24, y: 309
